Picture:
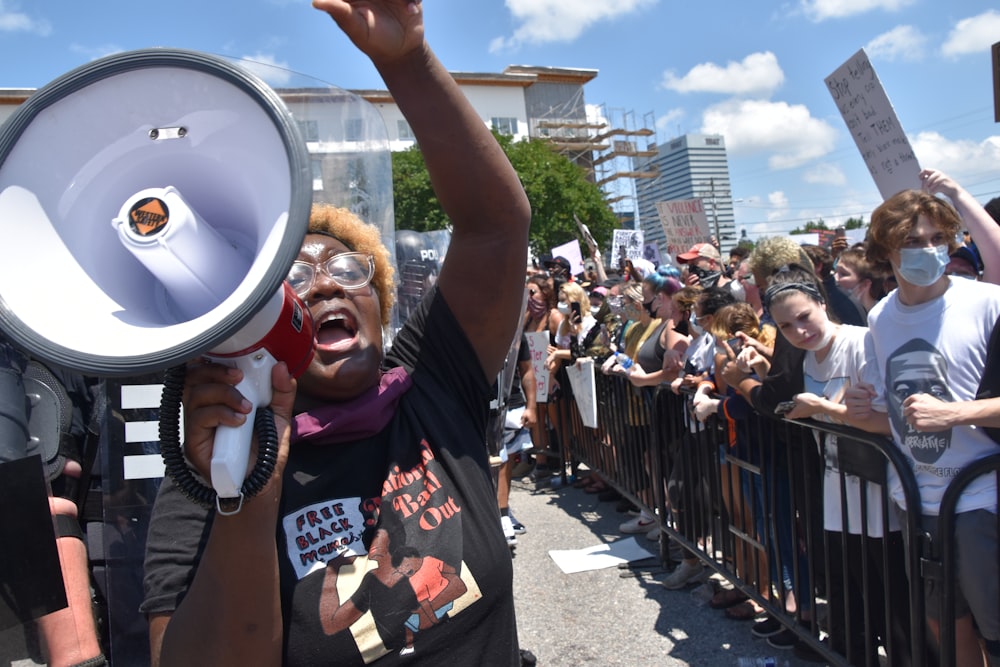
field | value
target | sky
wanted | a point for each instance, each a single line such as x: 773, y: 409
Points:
x: 751, y: 71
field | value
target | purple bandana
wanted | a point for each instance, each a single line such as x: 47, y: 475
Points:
x: 358, y: 418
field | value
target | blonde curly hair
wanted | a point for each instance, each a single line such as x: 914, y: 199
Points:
x: 359, y: 236
x: 770, y: 254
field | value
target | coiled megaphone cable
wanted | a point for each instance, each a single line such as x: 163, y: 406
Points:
x: 173, y: 454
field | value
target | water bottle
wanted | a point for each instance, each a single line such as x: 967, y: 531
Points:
x: 759, y: 662
x: 623, y: 360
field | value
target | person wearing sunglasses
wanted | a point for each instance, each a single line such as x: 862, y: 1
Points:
x: 368, y: 440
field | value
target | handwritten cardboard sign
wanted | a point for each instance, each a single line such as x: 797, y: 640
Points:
x: 538, y: 344
x: 684, y: 222
x: 581, y: 378
x: 872, y: 122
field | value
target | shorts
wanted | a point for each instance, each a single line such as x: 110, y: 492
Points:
x: 516, y: 438
x: 976, y: 579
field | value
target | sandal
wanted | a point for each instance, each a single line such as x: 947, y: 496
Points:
x: 744, y: 611
x: 726, y: 598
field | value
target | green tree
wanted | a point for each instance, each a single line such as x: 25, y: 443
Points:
x: 855, y: 223
x: 556, y: 188
x: 811, y: 226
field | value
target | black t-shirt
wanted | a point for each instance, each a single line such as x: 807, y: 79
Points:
x: 403, y: 519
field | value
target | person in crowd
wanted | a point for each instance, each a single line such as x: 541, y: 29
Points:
x: 379, y: 442
x: 659, y: 357
x: 837, y: 357
x: 931, y: 338
x: 858, y: 279
x: 521, y: 417
x: 739, y: 493
x: 574, y: 306
x: 771, y: 385
x: 687, y: 488
x: 704, y: 266
x: 963, y: 263
x: 751, y: 294
x: 737, y: 254
x: 543, y: 316
x: 68, y: 636
x: 845, y: 310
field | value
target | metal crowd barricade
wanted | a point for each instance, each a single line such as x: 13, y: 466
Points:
x: 745, y: 497
x: 943, y: 553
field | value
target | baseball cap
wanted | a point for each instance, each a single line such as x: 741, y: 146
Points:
x: 558, y: 260
x: 706, y: 250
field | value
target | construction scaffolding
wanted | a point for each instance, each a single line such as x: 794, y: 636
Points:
x: 612, y: 144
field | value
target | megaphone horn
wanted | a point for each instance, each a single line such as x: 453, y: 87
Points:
x: 151, y: 203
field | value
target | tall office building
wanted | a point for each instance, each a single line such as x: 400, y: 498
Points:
x: 690, y: 167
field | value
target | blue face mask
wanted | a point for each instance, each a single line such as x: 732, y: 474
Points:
x: 695, y: 327
x: 923, y: 266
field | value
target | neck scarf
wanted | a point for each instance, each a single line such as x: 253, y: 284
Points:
x: 360, y: 417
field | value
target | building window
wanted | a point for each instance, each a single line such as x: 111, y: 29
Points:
x: 404, y: 131
x: 711, y: 141
x: 354, y: 130
x: 309, y: 129
x: 504, y: 125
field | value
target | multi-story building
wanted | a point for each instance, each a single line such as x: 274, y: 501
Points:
x: 693, y: 166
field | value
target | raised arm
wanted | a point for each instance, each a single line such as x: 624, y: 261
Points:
x: 983, y: 228
x: 473, y: 180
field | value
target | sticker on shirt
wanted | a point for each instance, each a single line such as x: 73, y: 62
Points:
x: 320, y: 532
x: 917, y: 367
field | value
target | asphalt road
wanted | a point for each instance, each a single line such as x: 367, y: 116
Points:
x: 611, y: 616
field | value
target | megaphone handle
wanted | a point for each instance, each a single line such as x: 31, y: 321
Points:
x: 231, y: 450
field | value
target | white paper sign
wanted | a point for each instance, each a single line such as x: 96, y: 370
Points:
x: 538, y: 345
x: 626, y: 243
x: 571, y: 251
x: 872, y: 122
x: 684, y: 222
x: 581, y: 379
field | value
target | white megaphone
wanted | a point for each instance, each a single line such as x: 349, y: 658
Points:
x: 151, y: 204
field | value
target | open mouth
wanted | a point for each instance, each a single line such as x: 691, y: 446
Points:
x: 337, y: 331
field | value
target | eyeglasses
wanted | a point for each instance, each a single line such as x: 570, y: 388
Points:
x: 350, y: 270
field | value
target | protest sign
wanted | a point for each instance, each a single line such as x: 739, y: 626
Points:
x: 684, y: 223
x: 626, y: 244
x: 581, y: 379
x: 872, y: 122
x: 538, y: 344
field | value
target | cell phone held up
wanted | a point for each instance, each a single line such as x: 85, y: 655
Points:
x: 735, y: 344
x: 784, y: 407
x: 575, y: 316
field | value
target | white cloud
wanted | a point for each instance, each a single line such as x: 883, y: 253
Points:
x: 544, y: 21
x: 903, y: 42
x: 267, y: 67
x: 758, y: 126
x: 667, y: 122
x: 973, y: 35
x: 825, y: 174
x: 758, y: 74
x: 821, y: 10
x: 779, y: 205
x: 12, y: 20
x: 961, y: 159
x: 95, y: 52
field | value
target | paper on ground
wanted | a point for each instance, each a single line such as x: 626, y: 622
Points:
x: 600, y: 556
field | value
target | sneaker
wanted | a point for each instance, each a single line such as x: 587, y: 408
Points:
x: 684, y: 574
x: 406, y: 650
x: 519, y: 528
x: 784, y: 640
x: 769, y: 626
x: 508, y: 530
x: 640, y: 524
x: 653, y: 535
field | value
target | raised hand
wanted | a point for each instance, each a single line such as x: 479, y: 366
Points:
x: 385, y: 30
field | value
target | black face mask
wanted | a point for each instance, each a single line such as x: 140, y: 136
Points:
x: 683, y: 327
x: 648, y: 306
x: 705, y: 277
